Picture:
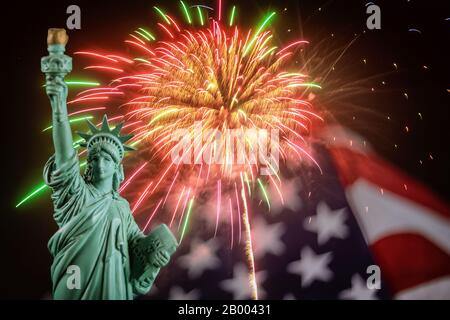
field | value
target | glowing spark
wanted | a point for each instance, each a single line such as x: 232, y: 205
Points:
x: 268, y: 52
x: 127, y: 182
x: 72, y: 121
x: 200, y: 15
x: 162, y: 14
x: 170, y: 188
x: 311, y: 85
x: 142, y: 197
x: 176, y: 207
x: 174, y: 23
x: 258, y: 32
x: 231, y: 222
x: 264, y: 193
x: 166, y: 30
x: 184, y: 207
x: 249, y: 249
x: 86, y: 110
x: 147, y: 33
x: 239, y: 209
x: 140, y: 46
x: 97, y: 55
x: 82, y: 83
x: 142, y: 60
x: 162, y: 114
x: 186, y: 12
x: 219, y: 195
x: 142, y: 35
x: 203, y: 6
x: 415, y: 30
x: 151, y: 216
x: 104, y: 68
x: 233, y: 12
x: 39, y: 189
x: 186, y: 220
x: 88, y: 99
x: 292, y: 45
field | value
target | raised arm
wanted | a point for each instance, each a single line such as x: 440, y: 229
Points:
x: 62, y: 135
x: 55, y: 66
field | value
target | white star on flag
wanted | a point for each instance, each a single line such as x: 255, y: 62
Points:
x: 290, y: 190
x: 201, y: 257
x: 359, y: 290
x: 311, y: 266
x: 327, y: 223
x: 177, y: 293
x: 266, y: 238
x: 239, y: 285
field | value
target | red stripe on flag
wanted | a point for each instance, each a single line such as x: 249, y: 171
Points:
x: 352, y: 165
x: 407, y: 260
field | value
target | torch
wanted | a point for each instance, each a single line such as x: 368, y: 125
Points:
x: 56, y: 64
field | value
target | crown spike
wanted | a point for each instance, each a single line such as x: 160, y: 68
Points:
x: 85, y: 136
x: 117, y: 129
x: 128, y: 148
x: 105, y: 124
x: 125, y: 138
x: 92, y: 127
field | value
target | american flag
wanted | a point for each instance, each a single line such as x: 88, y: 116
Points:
x: 324, y: 239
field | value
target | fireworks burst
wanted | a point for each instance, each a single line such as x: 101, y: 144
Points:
x: 219, y: 77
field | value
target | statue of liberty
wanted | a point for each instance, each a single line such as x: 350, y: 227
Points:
x: 97, y: 234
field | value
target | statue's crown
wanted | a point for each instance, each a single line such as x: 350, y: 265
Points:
x: 105, y: 134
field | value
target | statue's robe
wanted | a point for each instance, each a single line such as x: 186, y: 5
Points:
x: 96, y: 234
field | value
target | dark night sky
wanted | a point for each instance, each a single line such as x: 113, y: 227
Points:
x: 25, y: 262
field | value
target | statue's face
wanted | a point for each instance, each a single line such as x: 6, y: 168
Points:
x: 103, y: 166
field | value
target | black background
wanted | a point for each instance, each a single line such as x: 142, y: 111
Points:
x: 25, y: 261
